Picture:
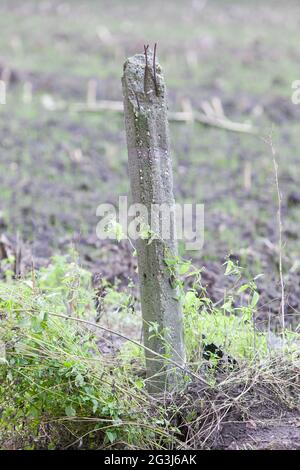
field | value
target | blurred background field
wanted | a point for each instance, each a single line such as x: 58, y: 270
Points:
x: 57, y: 166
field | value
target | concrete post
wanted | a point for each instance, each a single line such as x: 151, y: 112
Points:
x: 150, y: 171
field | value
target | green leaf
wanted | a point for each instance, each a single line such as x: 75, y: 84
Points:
x: 24, y: 322
x: 95, y: 405
x: 36, y: 324
x: 140, y: 384
x: 68, y: 364
x: 70, y: 412
x: 111, y: 435
x: 255, y: 299
x: 184, y: 268
x: 229, y: 268
x: 227, y: 306
x: 79, y: 380
x: 243, y: 288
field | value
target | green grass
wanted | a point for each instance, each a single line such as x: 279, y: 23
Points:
x: 55, y: 376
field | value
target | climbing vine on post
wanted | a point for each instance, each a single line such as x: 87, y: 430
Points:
x: 150, y: 170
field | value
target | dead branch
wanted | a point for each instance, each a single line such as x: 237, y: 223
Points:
x: 173, y: 116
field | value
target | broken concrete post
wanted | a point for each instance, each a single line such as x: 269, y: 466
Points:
x: 150, y: 172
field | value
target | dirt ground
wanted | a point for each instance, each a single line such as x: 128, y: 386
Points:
x: 282, y: 434
x: 57, y: 166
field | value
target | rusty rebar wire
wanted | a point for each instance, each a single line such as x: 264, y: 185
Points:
x: 154, y: 69
x: 146, y: 67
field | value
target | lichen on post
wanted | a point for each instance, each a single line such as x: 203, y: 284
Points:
x: 150, y: 170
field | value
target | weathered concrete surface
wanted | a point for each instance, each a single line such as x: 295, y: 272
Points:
x: 150, y: 172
